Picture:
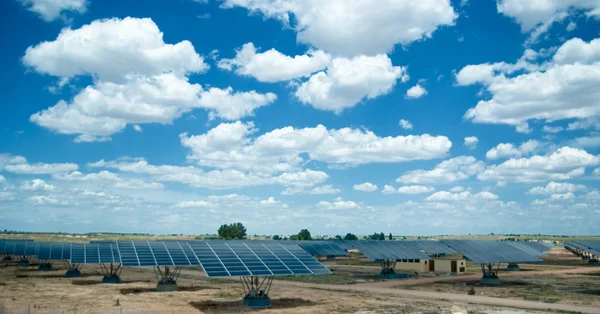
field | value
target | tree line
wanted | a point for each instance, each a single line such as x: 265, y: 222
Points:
x: 237, y: 230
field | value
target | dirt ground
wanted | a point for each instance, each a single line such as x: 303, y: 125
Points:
x: 353, y: 288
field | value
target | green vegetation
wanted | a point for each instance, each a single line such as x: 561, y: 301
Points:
x: 376, y: 236
x: 350, y: 236
x: 304, y: 234
x: 233, y: 231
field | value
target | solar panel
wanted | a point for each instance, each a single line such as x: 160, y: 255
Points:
x: 92, y: 253
x: 489, y: 252
x: 43, y: 251
x: 432, y: 247
x: 388, y: 250
x: 524, y: 247
x: 592, y: 247
x: 541, y: 246
x: 345, y: 244
x: 155, y: 253
x: 19, y: 249
x: 253, y: 258
x: 322, y: 248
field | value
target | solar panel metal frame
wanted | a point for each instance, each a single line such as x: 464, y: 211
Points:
x: 154, y: 253
x: 254, y: 258
x: 491, y: 252
x: 322, y: 248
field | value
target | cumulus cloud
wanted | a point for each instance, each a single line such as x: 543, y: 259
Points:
x: 317, y: 190
x: 230, y: 145
x: 367, y: 29
x: 146, y: 83
x: 505, y: 150
x: 405, y: 124
x: 108, y: 179
x: 194, y: 204
x: 50, y: 10
x: 416, y: 92
x: 563, y: 164
x: 40, y: 168
x: 556, y: 188
x: 448, y: 171
x: 347, y: 82
x: 462, y: 196
x: 407, y: 189
x: 555, y: 90
x: 471, y: 142
x: 338, y: 204
x: 37, y: 185
x: 365, y: 187
x: 273, y: 66
x: 536, y: 17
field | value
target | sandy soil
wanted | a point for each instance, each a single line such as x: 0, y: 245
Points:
x: 51, y: 293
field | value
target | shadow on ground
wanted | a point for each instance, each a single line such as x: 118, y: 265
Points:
x: 99, y: 282
x: 217, y: 307
x: 180, y: 288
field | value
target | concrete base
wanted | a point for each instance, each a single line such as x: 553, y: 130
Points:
x: 23, y: 263
x: 45, y: 267
x: 513, y: 267
x: 111, y: 279
x: 585, y: 258
x: 6, y: 259
x: 73, y: 273
x: 166, y: 286
x: 257, y: 302
x: 490, y: 281
x: 594, y: 262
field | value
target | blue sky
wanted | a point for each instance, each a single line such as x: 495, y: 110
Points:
x: 436, y: 117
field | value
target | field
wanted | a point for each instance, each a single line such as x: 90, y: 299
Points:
x: 562, y: 284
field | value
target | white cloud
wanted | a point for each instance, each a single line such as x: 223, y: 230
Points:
x: 415, y: 189
x: 597, y: 172
x: 37, y: 185
x: 457, y: 188
x: 462, y: 196
x: 8, y: 159
x: 2, y: 178
x: 339, y: 204
x: 318, y: 190
x: 40, y: 168
x: 347, y: 82
x: 563, y: 164
x: 562, y: 197
x: 405, y: 124
x: 50, y: 10
x: 365, y: 187
x: 137, y: 78
x: 137, y: 128
x: 215, y: 179
x: 586, y: 141
x: 556, y: 188
x: 108, y: 179
x: 448, y: 171
x: 273, y: 66
x: 43, y: 200
x: 367, y: 29
x: 194, y: 204
x: 388, y: 189
x: 555, y: 90
x: 416, y: 92
x: 471, y: 142
x: 571, y: 27
x: 505, y: 150
x: 537, y: 17
x: 229, y: 145
x: 552, y: 129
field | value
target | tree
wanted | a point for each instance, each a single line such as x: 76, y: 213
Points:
x: 391, y: 238
x: 232, y: 231
x: 377, y: 236
x: 276, y: 237
x: 338, y: 237
x: 293, y: 237
x: 350, y: 236
x: 304, y: 234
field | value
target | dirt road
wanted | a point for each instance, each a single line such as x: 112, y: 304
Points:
x: 386, y: 288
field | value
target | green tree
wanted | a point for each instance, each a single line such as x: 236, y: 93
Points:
x: 338, y: 237
x: 391, y: 238
x: 377, y: 236
x: 350, y: 236
x: 276, y: 237
x: 293, y: 237
x: 232, y: 231
x: 304, y: 234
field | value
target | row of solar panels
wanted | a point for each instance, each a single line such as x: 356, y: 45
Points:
x: 217, y: 258
x: 481, y: 252
x: 592, y: 247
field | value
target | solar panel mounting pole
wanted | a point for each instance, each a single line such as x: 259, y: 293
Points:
x: 490, y: 278
x: 257, y: 292
x: 73, y: 270
x: 167, y: 279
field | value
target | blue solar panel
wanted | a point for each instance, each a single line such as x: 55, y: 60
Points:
x: 592, y: 247
x: 253, y: 258
x: 432, y: 247
x: 19, y: 249
x: 91, y: 253
x: 388, y: 250
x: 488, y: 252
x: 527, y: 248
x: 156, y: 253
x: 43, y: 251
x: 322, y: 248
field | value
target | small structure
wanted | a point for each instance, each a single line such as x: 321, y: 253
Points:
x: 489, y: 254
x: 444, y: 259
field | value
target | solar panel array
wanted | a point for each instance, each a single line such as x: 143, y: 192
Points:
x: 154, y: 253
x: 521, y: 245
x: 254, y: 258
x: 322, y: 248
x: 432, y: 247
x: 388, y: 250
x: 91, y: 253
x: 53, y: 251
x: 489, y: 252
x: 592, y: 247
x: 8, y: 246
